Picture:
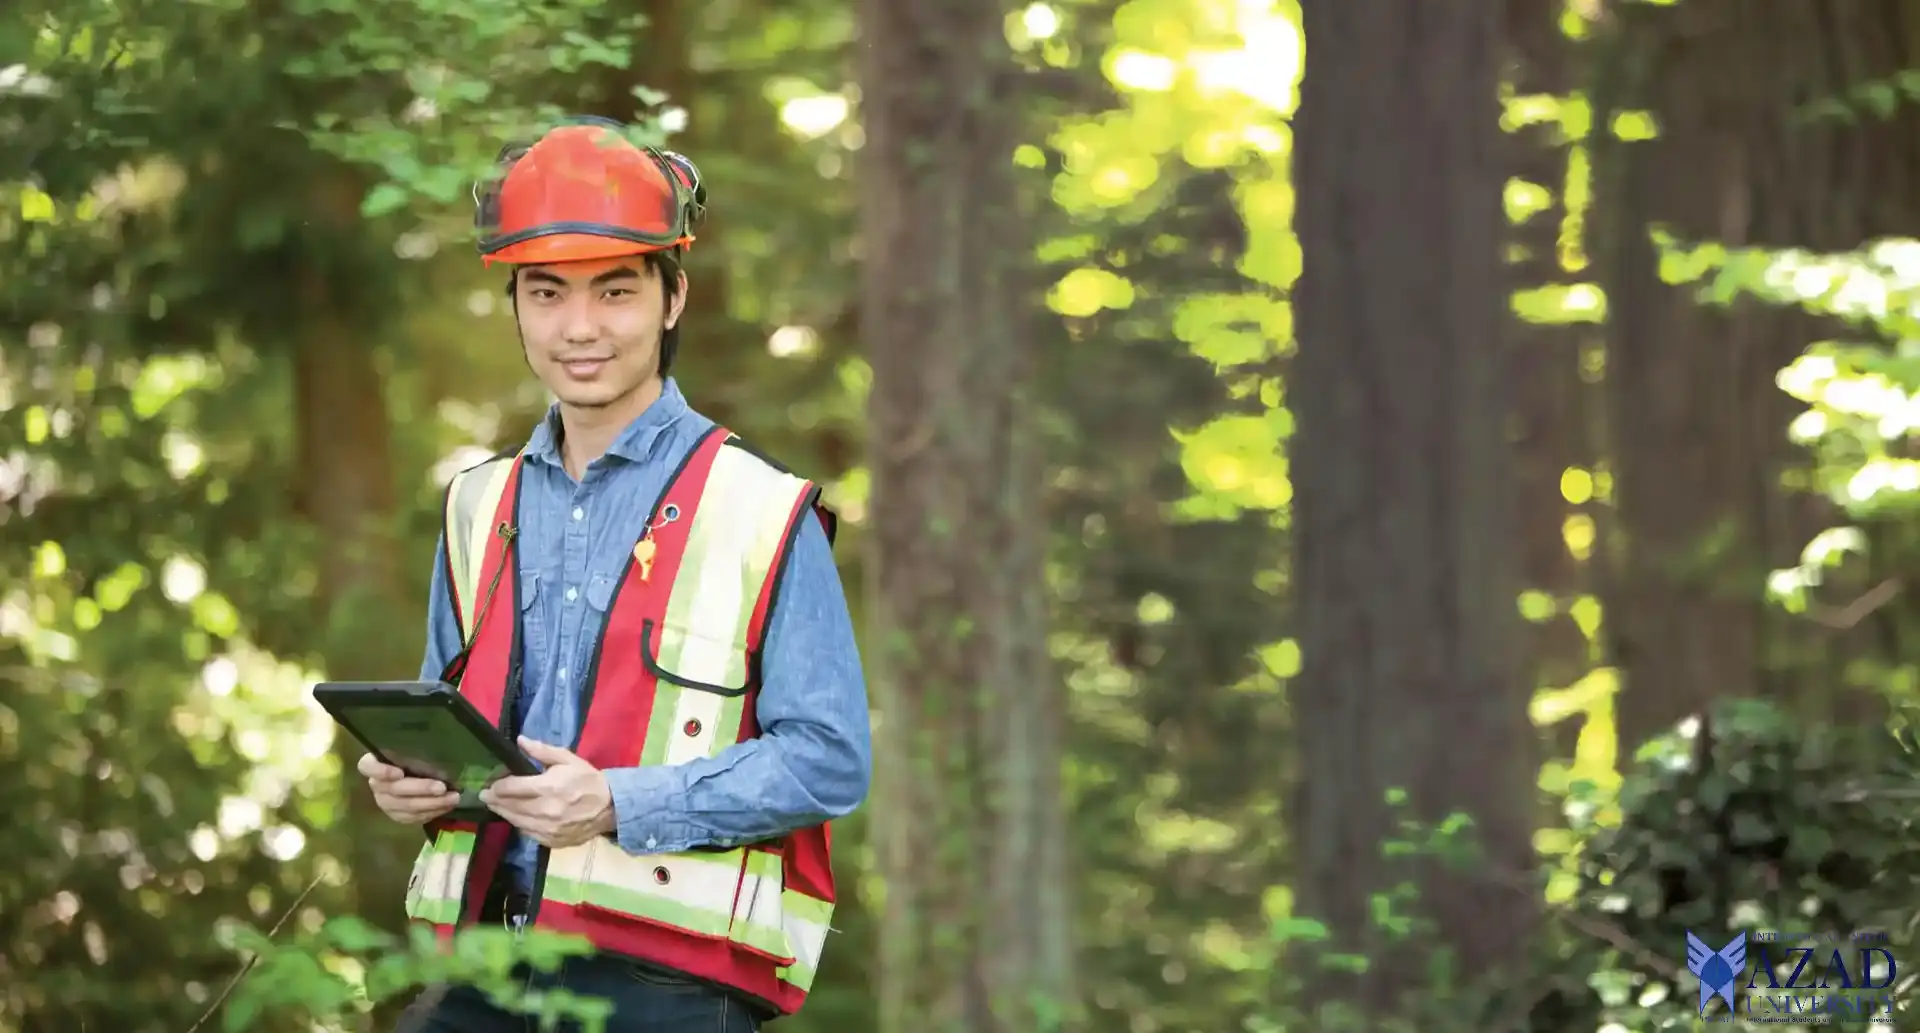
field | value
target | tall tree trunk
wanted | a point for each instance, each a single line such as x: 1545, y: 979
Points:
x: 969, y: 765
x: 1706, y: 475
x: 1552, y: 404
x: 345, y: 491
x: 1403, y: 485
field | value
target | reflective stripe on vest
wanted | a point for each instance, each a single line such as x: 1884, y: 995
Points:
x: 472, y: 498
x: 739, y: 528
x: 439, y: 875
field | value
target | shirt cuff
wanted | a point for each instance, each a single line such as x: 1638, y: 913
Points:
x: 646, y: 820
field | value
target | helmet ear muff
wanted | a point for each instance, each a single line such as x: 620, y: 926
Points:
x: 486, y: 192
x: 689, y: 176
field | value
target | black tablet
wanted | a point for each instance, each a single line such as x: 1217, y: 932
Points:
x: 428, y: 730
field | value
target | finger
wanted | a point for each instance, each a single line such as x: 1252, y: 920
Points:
x: 371, y: 767
x: 414, y: 788
x: 547, y: 753
x: 420, y: 812
x: 516, y: 817
x: 519, y: 787
x: 535, y: 812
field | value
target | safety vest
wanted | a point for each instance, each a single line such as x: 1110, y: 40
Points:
x: 674, y: 678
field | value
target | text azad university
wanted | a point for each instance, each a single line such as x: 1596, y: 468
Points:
x: 1795, y: 977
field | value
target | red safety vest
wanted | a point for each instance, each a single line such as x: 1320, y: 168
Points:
x: 674, y: 678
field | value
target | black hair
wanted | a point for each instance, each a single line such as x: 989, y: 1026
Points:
x: 664, y: 264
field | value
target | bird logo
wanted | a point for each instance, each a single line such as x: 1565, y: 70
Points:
x: 1716, y: 969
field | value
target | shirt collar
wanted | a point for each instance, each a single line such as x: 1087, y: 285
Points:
x: 635, y: 442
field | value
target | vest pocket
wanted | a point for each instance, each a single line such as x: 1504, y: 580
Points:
x: 733, y: 896
x: 416, y: 880
x: 439, y: 878
x: 759, y: 913
x: 700, y: 693
x: 681, y: 656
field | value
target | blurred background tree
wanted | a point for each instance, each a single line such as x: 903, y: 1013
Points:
x: 1018, y: 284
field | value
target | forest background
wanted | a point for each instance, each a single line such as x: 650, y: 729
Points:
x: 1406, y: 541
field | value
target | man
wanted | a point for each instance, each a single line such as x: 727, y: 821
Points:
x: 653, y: 609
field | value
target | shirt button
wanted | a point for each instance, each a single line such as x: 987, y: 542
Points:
x: 579, y: 514
x: 572, y: 594
x: 652, y: 842
x: 563, y: 674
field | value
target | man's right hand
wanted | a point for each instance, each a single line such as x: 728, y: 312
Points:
x: 410, y: 801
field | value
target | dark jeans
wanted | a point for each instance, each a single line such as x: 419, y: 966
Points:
x: 643, y: 1002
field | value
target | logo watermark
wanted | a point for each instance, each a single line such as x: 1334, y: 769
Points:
x: 1804, y: 978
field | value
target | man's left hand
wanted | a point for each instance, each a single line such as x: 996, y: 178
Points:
x: 566, y: 805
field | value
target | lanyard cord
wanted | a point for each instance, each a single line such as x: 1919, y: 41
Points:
x: 507, y: 533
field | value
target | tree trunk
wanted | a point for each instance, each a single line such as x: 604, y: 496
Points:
x: 1403, y: 487
x: 345, y: 491
x: 968, y: 807
x: 1553, y: 406
x: 1706, y: 474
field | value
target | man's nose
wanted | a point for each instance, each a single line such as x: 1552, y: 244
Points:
x: 580, y: 325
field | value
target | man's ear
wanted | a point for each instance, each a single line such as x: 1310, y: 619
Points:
x: 678, y: 303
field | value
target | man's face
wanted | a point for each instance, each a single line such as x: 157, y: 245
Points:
x: 592, y: 329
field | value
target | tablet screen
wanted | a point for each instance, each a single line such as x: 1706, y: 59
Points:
x: 428, y: 742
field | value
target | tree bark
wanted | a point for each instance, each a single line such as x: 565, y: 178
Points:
x: 971, y: 842
x: 1403, y: 486
x: 345, y: 491
x: 1553, y: 406
x: 1710, y: 492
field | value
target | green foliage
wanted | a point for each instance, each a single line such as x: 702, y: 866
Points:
x: 1305, y: 956
x: 1749, y: 821
x: 337, y: 973
x: 190, y: 190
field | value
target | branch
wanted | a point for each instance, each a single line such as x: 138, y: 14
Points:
x: 254, y: 959
x: 1844, y: 617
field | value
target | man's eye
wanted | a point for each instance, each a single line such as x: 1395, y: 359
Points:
x: 618, y: 292
x: 545, y: 294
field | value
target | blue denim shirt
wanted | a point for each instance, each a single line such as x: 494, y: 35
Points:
x: 813, y: 759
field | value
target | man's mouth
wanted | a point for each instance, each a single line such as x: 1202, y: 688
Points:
x: 582, y: 367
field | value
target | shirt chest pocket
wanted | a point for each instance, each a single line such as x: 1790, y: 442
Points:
x: 535, y: 628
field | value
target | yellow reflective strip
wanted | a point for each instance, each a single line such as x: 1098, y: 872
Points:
x: 570, y: 862
x: 478, y: 510
x: 705, y: 881
x: 704, y: 707
x: 737, y: 528
x: 441, y: 877
x: 806, y: 938
x: 417, y: 879
x: 798, y: 974
x: 756, y: 921
x: 457, y: 528
x: 661, y: 726
x: 438, y: 912
x: 697, y: 895
x: 812, y: 909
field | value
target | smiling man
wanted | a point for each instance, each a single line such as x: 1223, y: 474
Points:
x: 653, y: 609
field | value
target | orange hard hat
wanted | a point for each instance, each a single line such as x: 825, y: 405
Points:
x: 584, y: 191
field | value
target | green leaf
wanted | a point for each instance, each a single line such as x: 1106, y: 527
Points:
x: 1306, y: 930
x: 355, y: 935
x: 384, y: 199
